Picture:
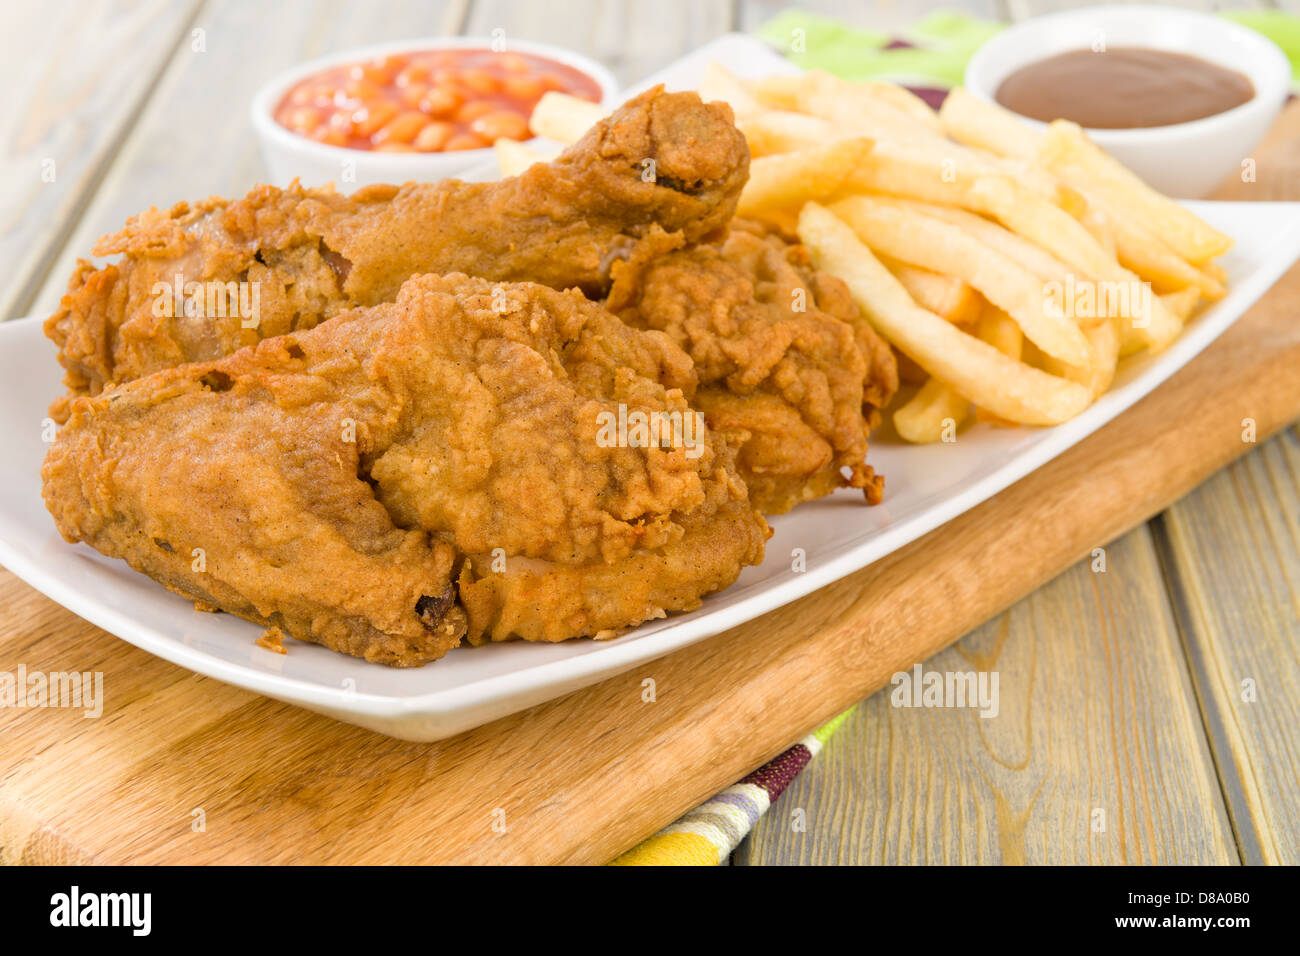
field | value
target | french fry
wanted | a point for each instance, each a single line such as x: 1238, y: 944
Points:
x: 1140, y: 250
x: 1074, y: 202
x: 1049, y: 227
x: 1148, y: 256
x: 946, y: 296
x: 1051, y: 270
x: 564, y: 118
x: 919, y: 240
x: 1041, y: 223
x: 905, y: 101
x: 719, y: 83
x: 798, y: 92
x: 513, y: 157
x: 1063, y: 236
x: 1183, y: 302
x: 890, y: 114
x: 785, y: 131
x: 1000, y: 331
x: 946, y: 173
x: 782, y: 219
x: 936, y: 408
x: 792, y: 178
x: 1068, y: 153
x: 1046, y: 267
x: 976, y: 122
x: 1099, y: 224
x: 851, y: 107
x: 976, y: 369
x: 912, y: 174
x: 1104, y: 339
x: 778, y: 92
x: 1009, y: 268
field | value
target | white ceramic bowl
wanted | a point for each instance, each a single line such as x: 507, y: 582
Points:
x: 1184, y: 159
x: 289, y: 155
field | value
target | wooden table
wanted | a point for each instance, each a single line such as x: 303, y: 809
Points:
x: 143, y: 103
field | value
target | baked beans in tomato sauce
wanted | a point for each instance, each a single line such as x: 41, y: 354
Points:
x: 427, y: 102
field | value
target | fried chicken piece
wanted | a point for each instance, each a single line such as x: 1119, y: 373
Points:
x: 782, y: 354
x: 414, y: 473
x: 312, y: 253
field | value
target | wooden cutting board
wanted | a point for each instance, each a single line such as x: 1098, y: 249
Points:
x: 183, y: 769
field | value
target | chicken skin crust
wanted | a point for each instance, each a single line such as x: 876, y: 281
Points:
x: 415, y: 474
x: 783, y: 357
x: 664, y: 160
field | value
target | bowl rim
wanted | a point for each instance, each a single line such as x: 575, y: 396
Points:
x: 1269, y: 70
x: 268, y: 95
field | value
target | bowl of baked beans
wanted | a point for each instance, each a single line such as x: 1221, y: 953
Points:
x: 416, y: 110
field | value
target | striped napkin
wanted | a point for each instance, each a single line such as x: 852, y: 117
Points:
x: 707, y: 835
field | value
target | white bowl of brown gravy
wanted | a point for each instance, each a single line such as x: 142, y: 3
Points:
x: 1181, y: 98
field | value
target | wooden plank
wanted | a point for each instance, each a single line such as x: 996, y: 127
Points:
x: 69, y: 102
x: 1275, y: 175
x: 1232, y: 550
x: 1231, y: 563
x: 586, y: 776
x: 1261, y: 802
x: 582, y: 778
x: 200, y: 108
x: 632, y: 39
x: 1095, y: 713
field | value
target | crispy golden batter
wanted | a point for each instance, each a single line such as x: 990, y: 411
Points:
x: 455, y: 459
x: 313, y: 253
x: 413, y: 473
x: 782, y: 356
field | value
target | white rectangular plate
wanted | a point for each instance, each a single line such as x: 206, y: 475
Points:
x: 926, y: 486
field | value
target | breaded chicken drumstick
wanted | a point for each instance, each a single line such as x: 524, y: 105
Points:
x: 468, y: 462
x: 664, y: 161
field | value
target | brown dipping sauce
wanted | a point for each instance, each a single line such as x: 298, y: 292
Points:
x: 1123, y: 88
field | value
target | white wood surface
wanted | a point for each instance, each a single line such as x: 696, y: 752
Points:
x: 74, y: 78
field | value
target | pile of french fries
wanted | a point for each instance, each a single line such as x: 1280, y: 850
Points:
x: 1011, y: 268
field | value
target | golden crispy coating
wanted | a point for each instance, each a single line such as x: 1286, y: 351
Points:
x: 665, y: 160
x: 782, y: 356
x: 413, y: 473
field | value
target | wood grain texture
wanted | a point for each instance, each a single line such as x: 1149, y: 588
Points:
x: 1277, y: 165
x: 199, y: 113
x: 1232, y: 550
x: 582, y: 778
x: 68, y: 103
x: 1096, y: 754
x: 1256, y: 768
